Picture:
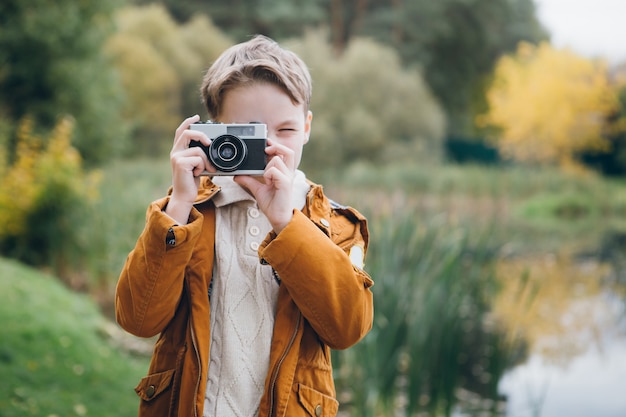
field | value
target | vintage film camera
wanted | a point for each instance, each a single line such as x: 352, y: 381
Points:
x: 236, y: 149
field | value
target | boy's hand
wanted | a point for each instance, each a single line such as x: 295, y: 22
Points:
x: 273, y: 191
x: 187, y: 165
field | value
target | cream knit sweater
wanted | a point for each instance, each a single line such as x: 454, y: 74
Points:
x: 243, y: 302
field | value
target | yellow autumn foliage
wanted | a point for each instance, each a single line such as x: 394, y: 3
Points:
x: 549, y: 104
x: 38, y: 170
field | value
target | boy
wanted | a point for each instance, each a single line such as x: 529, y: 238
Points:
x: 250, y: 281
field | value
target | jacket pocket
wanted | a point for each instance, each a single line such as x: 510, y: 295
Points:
x: 152, y: 386
x: 315, y: 403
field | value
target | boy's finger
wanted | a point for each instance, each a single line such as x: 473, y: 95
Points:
x: 185, y: 125
x: 248, y: 182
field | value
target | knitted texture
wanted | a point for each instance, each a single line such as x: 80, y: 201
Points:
x: 243, y: 299
x: 243, y: 302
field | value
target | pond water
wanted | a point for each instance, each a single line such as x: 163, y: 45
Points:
x: 580, y: 373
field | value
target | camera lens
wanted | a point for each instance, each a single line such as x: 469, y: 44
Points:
x: 227, y: 153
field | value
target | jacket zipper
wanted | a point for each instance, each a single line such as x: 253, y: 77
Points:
x: 280, y: 362
x: 195, y: 349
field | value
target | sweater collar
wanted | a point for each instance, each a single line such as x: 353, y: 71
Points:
x: 230, y: 192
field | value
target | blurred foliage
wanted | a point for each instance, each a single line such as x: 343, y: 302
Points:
x: 350, y: 122
x: 431, y: 340
x: 366, y: 106
x: 161, y: 64
x: 612, y: 163
x: 455, y: 42
x: 243, y: 18
x: 112, y: 230
x: 549, y: 105
x: 44, y: 192
x: 51, y: 66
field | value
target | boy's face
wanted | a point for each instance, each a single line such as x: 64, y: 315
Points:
x: 287, y: 123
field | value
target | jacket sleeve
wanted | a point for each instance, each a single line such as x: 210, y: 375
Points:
x: 333, y: 294
x: 151, y: 282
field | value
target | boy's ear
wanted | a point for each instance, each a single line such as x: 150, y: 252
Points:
x: 307, y: 126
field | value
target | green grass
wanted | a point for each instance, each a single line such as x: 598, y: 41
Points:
x: 55, y: 359
x: 532, y: 209
x: 513, y: 181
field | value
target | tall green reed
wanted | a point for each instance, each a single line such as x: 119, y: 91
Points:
x: 431, y: 340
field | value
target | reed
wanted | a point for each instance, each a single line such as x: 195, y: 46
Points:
x: 431, y: 340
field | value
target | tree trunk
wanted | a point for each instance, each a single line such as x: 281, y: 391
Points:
x: 337, y: 27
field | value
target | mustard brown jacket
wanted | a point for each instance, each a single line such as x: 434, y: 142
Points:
x: 324, y: 303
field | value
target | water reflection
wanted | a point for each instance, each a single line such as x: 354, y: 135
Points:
x: 571, y: 319
x: 590, y: 385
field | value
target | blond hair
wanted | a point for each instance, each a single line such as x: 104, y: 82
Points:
x: 259, y: 60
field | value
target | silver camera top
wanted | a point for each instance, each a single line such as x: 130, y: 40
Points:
x: 241, y: 130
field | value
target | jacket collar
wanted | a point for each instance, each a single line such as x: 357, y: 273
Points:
x: 318, y: 207
x: 206, y: 190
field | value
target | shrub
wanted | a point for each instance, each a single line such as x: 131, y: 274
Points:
x: 43, y: 191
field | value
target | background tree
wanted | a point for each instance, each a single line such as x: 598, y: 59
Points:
x: 52, y: 66
x: 150, y: 42
x: 367, y: 107
x: 612, y: 163
x: 550, y: 104
x: 454, y: 42
x: 242, y: 18
x: 352, y: 123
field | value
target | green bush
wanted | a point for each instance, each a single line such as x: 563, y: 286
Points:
x: 44, y: 194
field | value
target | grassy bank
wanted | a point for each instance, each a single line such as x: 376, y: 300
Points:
x: 531, y: 209
x: 56, y: 354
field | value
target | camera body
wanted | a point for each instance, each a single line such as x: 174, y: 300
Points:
x: 236, y: 149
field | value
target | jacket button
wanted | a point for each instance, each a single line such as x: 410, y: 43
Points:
x: 150, y: 391
x: 318, y: 410
x: 325, y: 222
